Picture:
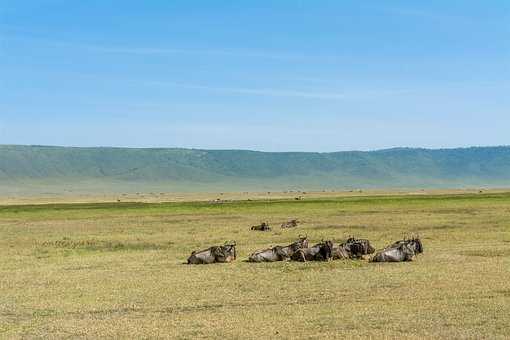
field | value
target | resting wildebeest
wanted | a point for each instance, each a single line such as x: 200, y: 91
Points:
x: 319, y: 252
x: 278, y: 253
x: 290, y: 224
x: 340, y: 253
x: 357, y: 247
x: 414, y: 243
x: 400, y: 251
x: 222, y: 254
x: 268, y: 255
x: 264, y: 226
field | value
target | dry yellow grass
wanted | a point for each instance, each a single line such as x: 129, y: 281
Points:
x: 116, y: 270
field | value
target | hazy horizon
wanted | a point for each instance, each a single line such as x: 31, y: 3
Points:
x: 254, y: 150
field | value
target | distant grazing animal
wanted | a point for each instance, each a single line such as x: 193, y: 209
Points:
x: 278, y: 253
x: 319, y: 252
x: 221, y: 254
x: 264, y: 226
x: 290, y: 224
x: 400, y: 251
x: 357, y: 247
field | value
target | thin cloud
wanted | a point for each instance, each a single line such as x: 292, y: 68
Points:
x: 253, y: 91
x: 284, y: 92
x: 195, y: 51
x: 155, y: 51
x: 265, y: 92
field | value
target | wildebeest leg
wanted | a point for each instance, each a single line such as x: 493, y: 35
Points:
x: 280, y: 254
x: 302, y: 256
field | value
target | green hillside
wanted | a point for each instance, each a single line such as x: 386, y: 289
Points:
x: 42, y: 169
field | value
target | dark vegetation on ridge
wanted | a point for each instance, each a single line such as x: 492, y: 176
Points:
x: 48, y: 168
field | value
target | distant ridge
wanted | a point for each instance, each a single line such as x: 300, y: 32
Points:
x: 51, y: 169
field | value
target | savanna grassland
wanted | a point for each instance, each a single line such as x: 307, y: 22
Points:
x: 116, y: 269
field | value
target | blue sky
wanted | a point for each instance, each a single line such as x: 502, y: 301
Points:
x: 264, y: 75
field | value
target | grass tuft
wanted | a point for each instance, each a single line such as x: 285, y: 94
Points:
x: 487, y: 252
x: 101, y: 245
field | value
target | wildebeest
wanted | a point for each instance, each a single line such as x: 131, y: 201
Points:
x: 357, y: 247
x: 268, y: 255
x: 222, y: 254
x: 290, y: 224
x: 278, y: 253
x: 400, y: 251
x: 340, y: 252
x: 319, y: 252
x: 414, y: 243
x: 301, y: 243
x: 264, y: 226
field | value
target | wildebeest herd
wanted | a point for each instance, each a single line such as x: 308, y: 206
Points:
x: 352, y: 248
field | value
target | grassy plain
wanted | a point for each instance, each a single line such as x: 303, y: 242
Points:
x: 115, y: 269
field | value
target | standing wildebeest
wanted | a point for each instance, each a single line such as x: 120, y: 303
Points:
x: 290, y: 224
x: 319, y: 252
x: 400, y: 251
x: 264, y: 226
x: 222, y: 254
x: 357, y: 247
x: 278, y: 253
